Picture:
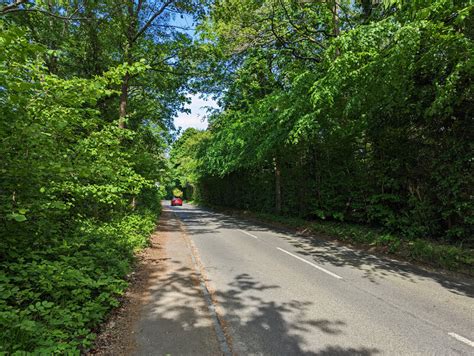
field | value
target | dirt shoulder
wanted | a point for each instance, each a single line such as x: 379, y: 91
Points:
x: 164, y: 310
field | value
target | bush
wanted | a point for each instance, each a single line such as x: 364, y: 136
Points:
x: 52, y: 299
x: 177, y: 193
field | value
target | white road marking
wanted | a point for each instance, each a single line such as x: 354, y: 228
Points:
x: 248, y: 233
x: 311, y: 264
x: 462, y: 339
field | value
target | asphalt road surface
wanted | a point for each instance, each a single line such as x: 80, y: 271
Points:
x: 277, y: 293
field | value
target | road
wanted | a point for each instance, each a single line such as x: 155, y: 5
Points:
x: 277, y: 293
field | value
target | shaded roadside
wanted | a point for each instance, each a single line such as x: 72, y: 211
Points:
x: 344, y: 250
x: 277, y: 305
x: 164, y: 310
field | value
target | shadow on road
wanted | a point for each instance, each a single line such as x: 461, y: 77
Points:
x: 325, y: 252
x: 375, y: 268
x: 262, y: 326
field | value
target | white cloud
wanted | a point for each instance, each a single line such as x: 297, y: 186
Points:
x: 197, y: 117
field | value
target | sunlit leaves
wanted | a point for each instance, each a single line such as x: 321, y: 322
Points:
x: 370, y: 131
x: 68, y: 176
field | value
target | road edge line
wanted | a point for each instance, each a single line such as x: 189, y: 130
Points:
x: 462, y: 339
x: 216, y: 319
x: 311, y: 264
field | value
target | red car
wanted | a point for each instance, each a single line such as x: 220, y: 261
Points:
x: 176, y: 202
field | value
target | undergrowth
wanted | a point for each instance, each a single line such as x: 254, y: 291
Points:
x: 51, y: 299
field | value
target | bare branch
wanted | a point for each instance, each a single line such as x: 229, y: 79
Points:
x: 300, y: 30
x: 12, y: 6
x: 15, y: 8
x: 284, y: 43
x: 178, y: 27
x: 150, y: 21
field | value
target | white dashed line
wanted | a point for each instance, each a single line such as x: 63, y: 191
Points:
x: 249, y: 234
x: 311, y: 264
x: 462, y: 339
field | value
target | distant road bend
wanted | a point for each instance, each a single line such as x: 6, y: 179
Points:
x: 277, y: 293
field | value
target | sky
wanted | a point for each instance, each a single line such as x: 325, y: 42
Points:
x: 197, y: 117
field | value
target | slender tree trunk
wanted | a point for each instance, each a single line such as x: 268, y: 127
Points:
x: 52, y: 59
x: 277, y: 186
x: 93, y: 65
x: 123, y: 101
x: 335, y: 20
x: 130, y: 34
x: 366, y: 9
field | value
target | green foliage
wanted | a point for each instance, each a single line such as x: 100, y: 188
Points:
x: 52, y: 298
x: 184, y: 163
x: 68, y: 177
x: 177, y: 193
x: 88, y: 91
x: 344, y: 111
x: 184, y: 156
x: 370, y: 125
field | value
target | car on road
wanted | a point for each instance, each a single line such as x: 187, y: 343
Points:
x: 176, y: 202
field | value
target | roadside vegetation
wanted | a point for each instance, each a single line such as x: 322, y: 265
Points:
x: 342, y: 116
x: 88, y: 91
x: 351, y: 117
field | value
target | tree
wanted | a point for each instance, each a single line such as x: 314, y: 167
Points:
x: 70, y: 169
x: 360, y: 116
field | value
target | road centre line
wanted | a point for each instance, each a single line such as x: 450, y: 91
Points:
x: 462, y: 339
x: 248, y: 233
x: 311, y: 264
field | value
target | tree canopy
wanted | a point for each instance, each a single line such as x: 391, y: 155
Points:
x: 88, y: 92
x: 350, y: 111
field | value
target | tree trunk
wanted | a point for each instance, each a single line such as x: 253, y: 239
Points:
x: 277, y: 186
x: 123, y: 101
x: 335, y: 19
x: 366, y: 9
x: 132, y: 34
